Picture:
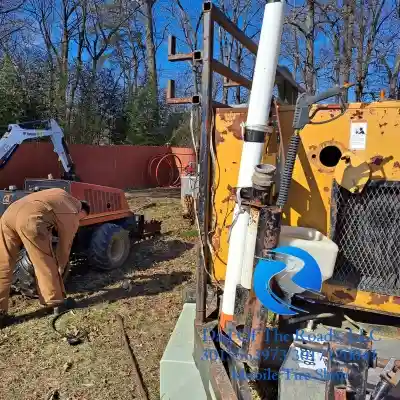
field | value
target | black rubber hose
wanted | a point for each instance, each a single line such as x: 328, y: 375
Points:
x: 288, y: 171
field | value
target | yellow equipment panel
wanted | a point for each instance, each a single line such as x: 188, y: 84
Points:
x: 361, y: 144
x: 228, y: 143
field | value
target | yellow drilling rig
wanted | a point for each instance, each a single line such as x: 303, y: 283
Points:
x: 298, y: 208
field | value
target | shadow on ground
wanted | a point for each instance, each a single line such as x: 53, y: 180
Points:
x: 89, y: 286
x: 144, y: 285
x: 144, y: 255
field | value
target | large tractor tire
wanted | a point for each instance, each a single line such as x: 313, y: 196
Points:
x: 24, y: 280
x: 109, y: 248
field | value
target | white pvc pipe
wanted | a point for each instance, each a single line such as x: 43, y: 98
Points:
x: 259, y: 116
x: 257, y: 119
x: 248, y: 254
x: 266, y: 64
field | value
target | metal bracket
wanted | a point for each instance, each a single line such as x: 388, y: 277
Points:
x: 171, y: 99
x: 228, y: 83
x: 196, y: 56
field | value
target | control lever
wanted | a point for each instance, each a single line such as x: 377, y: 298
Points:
x: 305, y: 101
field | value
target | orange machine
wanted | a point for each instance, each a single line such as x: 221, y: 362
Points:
x: 104, y: 237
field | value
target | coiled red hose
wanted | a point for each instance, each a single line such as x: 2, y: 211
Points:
x: 173, y: 169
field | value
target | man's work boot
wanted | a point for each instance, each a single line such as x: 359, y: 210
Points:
x: 68, y: 304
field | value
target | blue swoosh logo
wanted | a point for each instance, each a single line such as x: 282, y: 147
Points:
x: 308, y: 277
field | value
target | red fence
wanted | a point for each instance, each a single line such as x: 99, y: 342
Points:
x: 117, y: 166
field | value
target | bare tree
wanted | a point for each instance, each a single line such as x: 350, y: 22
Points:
x: 387, y: 55
x: 130, y: 55
x: 81, y: 20
x: 303, y: 20
x: 371, y: 17
x: 336, y: 23
x: 150, y: 42
x: 11, y: 20
x: 190, y: 28
x: 58, y: 22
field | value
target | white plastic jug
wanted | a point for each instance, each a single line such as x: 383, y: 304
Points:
x: 315, y: 243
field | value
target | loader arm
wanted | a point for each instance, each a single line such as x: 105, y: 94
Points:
x: 18, y: 133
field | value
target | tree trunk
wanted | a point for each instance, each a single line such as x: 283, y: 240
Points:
x: 309, y: 67
x: 360, y: 47
x: 150, y: 46
x: 63, y: 84
x: 336, y: 49
x: 81, y: 42
x: 394, y: 79
x: 239, y: 50
x: 347, y: 43
x: 222, y: 48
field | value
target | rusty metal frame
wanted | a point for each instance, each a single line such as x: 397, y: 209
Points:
x: 171, y: 99
x: 213, y: 372
x: 282, y: 74
x: 174, y: 56
x: 231, y: 78
x: 213, y: 15
x: 210, y: 365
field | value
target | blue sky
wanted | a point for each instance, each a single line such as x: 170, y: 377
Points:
x: 166, y: 24
x: 168, y: 70
x: 173, y: 70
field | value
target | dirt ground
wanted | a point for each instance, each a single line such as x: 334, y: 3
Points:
x: 36, y: 363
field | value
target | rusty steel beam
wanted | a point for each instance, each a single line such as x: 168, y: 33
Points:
x: 203, y: 200
x: 210, y: 364
x: 180, y: 57
x: 135, y: 366
x: 174, y: 56
x: 216, y: 104
x: 229, y: 84
x: 239, y: 382
x: 220, y: 18
x: 171, y: 99
x: 184, y: 100
x: 382, y: 362
x: 170, y: 89
x: 340, y: 393
x: 267, y: 239
x: 223, y: 70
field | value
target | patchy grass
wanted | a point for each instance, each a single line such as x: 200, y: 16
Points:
x: 193, y: 233
x: 36, y: 363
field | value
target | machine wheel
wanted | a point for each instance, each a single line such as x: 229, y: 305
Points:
x: 109, y: 247
x: 24, y: 280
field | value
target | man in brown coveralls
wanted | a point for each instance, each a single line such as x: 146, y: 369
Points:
x: 31, y: 222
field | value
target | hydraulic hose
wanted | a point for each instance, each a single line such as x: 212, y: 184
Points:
x: 300, y: 120
x: 288, y: 171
